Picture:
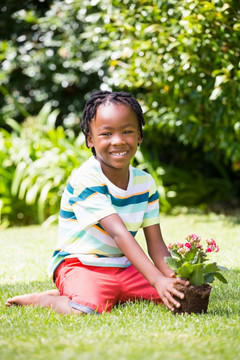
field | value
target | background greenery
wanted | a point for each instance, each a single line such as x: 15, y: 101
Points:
x: 179, y: 58
x: 139, y: 331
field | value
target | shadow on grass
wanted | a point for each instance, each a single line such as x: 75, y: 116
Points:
x: 233, y: 219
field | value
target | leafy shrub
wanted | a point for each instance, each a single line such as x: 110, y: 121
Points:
x: 180, y: 58
x: 36, y: 161
x: 47, y: 58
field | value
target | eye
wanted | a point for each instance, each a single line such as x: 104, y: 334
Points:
x: 106, y: 134
x: 128, y: 132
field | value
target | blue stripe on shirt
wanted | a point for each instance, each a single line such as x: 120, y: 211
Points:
x: 153, y: 197
x: 100, y: 227
x: 69, y: 188
x: 134, y: 199
x: 88, y: 192
x: 67, y: 214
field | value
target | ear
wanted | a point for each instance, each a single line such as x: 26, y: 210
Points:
x: 140, y: 139
x: 89, y: 140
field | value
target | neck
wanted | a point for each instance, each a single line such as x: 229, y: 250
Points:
x: 120, y: 180
x: 119, y: 177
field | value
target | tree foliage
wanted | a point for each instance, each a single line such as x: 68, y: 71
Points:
x: 36, y: 160
x: 180, y: 58
x: 46, y: 58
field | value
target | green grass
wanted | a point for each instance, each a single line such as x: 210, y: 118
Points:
x: 131, y: 331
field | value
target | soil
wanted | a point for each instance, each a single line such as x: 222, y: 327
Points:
x: 195, y: 299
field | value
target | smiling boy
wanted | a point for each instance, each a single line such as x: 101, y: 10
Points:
x: 98, y: 263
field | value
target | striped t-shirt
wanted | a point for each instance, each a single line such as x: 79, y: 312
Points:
x: 88, y: 197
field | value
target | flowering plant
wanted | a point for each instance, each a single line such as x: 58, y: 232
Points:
x: 188, y: 261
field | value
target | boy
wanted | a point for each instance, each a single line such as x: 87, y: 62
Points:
x: 98, y: 263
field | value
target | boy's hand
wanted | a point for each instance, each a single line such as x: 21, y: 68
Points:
x: 166, y: 290
x: 154, y: 273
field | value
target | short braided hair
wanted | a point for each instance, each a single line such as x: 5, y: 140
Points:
x: 103, y: 97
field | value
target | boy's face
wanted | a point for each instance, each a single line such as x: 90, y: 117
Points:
x: 115, y: 134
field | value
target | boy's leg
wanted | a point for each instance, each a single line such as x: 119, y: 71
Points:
x: 30, y: 299
x: 51, y: 299
x: 82, y: 289
x: 136, y: 287
x: 91, y: 289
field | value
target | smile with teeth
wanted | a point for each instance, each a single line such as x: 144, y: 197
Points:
x: 122, y: 153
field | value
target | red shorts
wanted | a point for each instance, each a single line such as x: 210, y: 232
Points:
x: 98, y: 289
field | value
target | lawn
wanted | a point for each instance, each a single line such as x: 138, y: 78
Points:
x: 131, y: 331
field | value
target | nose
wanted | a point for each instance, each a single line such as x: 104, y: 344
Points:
x: 117, y: 139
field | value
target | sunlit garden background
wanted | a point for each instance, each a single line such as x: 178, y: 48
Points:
x: 180, y: 59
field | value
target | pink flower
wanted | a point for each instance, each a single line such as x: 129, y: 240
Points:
x: 180, y: 245
x: 209, y: 249
x: 181, y: 251
x: 212, y: 245
x: 199, y: 246
x: 211, y: 242
x: 193, y: 239
x: 188, y: 245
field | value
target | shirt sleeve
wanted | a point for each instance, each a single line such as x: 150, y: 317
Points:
x: 151, y: 215
x: 91, y: 204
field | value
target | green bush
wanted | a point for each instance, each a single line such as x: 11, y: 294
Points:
x: 180, y: 58
x: 46, y: 57
x: 36, y: 160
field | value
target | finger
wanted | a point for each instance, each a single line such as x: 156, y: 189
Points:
x: 170, y: 302
x: 172, y: 275
x: 177, y: 293
x: 181, y: 281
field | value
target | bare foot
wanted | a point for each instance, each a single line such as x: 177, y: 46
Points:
x: 30, y: 299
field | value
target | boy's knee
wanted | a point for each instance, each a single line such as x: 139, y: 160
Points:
x: 79, y: 309
x: 77, y: 312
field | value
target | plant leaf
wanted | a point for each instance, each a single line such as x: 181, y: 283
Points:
x: 222, y: 268
x: 209, y: 268
x: 185, y: 270
x: 197, y: 277
x: 175, y: 254
x: 220, y: 277
x: 172, y: 263
x: 191, y: 254
x: 18, y: 177
x: 208, y: 278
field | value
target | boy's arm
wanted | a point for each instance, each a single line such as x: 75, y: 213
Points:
x: 157, y: 248
x: 132, y: 250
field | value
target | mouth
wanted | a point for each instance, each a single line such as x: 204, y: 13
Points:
x: 118, y: 154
